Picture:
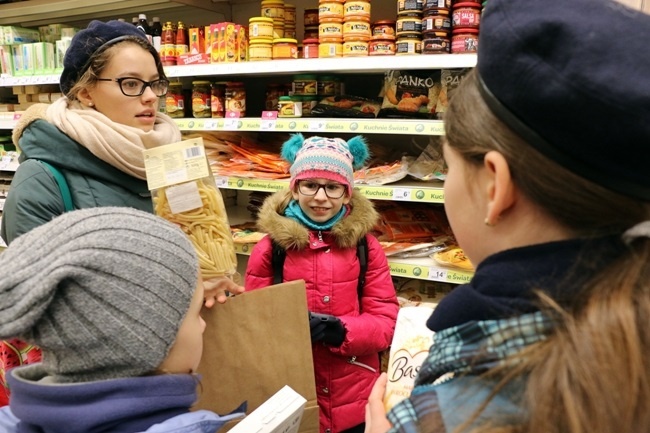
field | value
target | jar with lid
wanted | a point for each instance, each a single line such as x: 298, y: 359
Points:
x: 436, y: 43
x: 218, y: 100
x: 466, y: 14
x: 285, y: 48
x: 409, y: 7
x: 272, y: 8
x: 330, y: 28
x: 273, y: 93
x: 310, y: 48
x: 383, y: 29
x: 330, y: 9
x: 287, y: 107
x: 327, y: 85
x: 289, y: 13
x: 260, y: 49
x: 409, y: 25
x: 356, y: 8
x: 174, y: 101
x: 408, y: 45
x: 236, y: 98
x: 356, y: 26
x: 330, y: 47
x: 464, y: 40
x: 431, y: 4
x: 304, y: 84
x: 260, y: 27
x: 308, y: 102
x: 381, y: 47
x: 355, y: 47
x: 310, y: 17
x: 436, y: 20
x: 201, y: 98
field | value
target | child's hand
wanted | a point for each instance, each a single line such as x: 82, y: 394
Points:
x: 218, y: 289
x: 376, y: 420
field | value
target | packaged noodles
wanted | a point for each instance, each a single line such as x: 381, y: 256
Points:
x: 184, y: 192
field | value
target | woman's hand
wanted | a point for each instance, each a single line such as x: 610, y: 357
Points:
x: 218, y: 289
x: 376, y: 420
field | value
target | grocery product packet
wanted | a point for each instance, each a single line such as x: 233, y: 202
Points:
x: 409, y: 349
x: 184, y: 192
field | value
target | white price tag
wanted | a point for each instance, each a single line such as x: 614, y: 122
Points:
x: 231, y: 123
x: 267, y: 125
x: 316, y: 125
x: 437, y: 274
x: 221, y: 181
x: 403, y: 194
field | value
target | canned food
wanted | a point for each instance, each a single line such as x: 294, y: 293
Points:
x: 436, y: 45
x: 410, y: 24
x: 464, y: 41
x: 273, y: 8
x: 285, y: 48
x: 310, y: 17
x: 201, y: 96
x: 435, y: 20
x: 384, y: 29
x: 381, y: 47
x: 330, y: 9
x: 355, y: 47
x: 278, y: 28
x: 260, y: 27
x: 409, y: 7
x: 260, y: 49
x: 356, y: 8
x: 287, y: 107
x: 174, y: 101
x: 330, y: 28
x: 410, y: 45
x: 310, y: 48
x: 466, y: 15
x: 236, y: 98
x: 330, y: 48
x: 356, y: 27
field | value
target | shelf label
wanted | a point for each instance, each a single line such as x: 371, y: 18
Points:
x: 221, y: 181
x: 231, y: 123
x: 404, y: 270
x: 317, y: 125
x: 376, y: 193
x: 437, y: 274
x: 458, y: 277
x: 403, y: 194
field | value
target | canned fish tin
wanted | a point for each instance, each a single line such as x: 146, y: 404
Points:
x: 410, y: 24
x: 409, y: 7
x: 355, y: 47
x: 408, y: 45
x: 466, y: 14
x: 381, y: 47
x: 356, y: 8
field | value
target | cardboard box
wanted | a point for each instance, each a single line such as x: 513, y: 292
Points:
x: 281, y: 413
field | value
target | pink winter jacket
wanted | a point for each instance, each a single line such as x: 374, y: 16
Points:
x: 328, y: 263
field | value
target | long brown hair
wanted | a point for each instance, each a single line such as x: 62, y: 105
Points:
x: 593, y: 373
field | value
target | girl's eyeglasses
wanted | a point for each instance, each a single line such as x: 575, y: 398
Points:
x: 310, y: 188
x: 131, y: 86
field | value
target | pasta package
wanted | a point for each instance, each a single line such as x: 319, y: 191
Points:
x: 184, y: 192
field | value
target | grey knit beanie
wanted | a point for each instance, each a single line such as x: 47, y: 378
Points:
x: 101, y: 291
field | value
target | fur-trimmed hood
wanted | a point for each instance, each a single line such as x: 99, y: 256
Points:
x: 33, y: 113
x: 289, y: 233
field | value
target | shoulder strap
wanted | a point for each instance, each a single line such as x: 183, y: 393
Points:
x: 362, y: 253
x: 63, y: 186
x: 278, y: 254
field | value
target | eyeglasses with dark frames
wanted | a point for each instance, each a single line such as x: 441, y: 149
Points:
x: 131, y: 86
x: 310, y: 188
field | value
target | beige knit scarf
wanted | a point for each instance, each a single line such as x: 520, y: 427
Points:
x: 118, y: 145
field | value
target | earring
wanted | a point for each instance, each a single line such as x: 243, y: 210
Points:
x: 90, y: 104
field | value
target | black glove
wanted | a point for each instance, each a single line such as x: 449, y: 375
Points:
x: 326, y: 328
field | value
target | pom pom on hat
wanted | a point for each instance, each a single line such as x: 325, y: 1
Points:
x: 101, y: 291
x: 90, y: 41
x: 327, y: 158
x: 568, y: 77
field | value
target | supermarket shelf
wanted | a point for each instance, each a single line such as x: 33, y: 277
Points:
x: 315, y: 124
x: 346, y: 65
x: 420, y: 192
x: 421, y: 269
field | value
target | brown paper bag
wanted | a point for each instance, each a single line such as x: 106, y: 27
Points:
x: 253, y: 345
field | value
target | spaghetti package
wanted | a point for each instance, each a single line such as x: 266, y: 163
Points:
x: 184, y: 192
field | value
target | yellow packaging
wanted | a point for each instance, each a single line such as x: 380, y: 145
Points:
x: 330, y: 48
x: 273, y: 8
x: 183, y: 192
x: 260, y: 49
x: 260, y: 27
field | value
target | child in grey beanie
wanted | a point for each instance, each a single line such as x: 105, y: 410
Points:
x: 104, y: 292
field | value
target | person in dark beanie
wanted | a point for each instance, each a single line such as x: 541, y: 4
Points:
x: 90, y: 141
x: 113, y: 297
x: 548, y: 193
x: 319, y: 221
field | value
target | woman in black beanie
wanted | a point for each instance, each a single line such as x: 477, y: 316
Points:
x: 548, y: 193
